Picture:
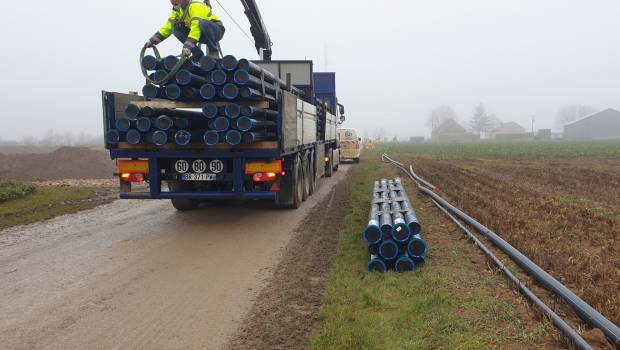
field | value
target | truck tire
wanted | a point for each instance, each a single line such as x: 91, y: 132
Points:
x: 313, y: 172
x: 291, y: 186
x: 306, y: 178
x: 298, y: 184
x: 181, y: 204
x: 330, y: 166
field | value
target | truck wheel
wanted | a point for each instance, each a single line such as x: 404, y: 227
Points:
x: 313, y: 177
x: 178, y: 203
x: 298, y: 195
x: 306, y: 179
x: 330, y: 165
x: 291, y: 187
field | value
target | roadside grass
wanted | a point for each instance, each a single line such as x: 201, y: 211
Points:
x: 454, y: 301
x: 45, y: 203
x: 535, y: 149
x: 13, y: 190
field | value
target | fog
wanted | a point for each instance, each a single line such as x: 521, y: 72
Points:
x: 395, y: 60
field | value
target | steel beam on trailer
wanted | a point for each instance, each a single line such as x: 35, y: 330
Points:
x: 205, y: 153
x: 238, y: 172
x: 154, y: 176
x: 198, y: 195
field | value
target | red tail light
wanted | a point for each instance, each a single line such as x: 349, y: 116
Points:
x: 264, y: 177
x: 132, y: 177
x: 275, y: 187
x: 357, y: 146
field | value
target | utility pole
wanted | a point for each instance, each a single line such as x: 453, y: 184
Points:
x: 325, y: 52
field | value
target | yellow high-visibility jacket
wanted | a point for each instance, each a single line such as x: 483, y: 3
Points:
x: 190, y: 17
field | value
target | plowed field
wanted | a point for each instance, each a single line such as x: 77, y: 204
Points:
x: 562, y: 213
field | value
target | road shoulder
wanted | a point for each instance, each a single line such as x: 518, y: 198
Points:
x: 287, y: 310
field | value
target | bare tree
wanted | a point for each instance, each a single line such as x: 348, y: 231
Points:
x: 439, y: 116
x: 379, y: 134
x: 481, y: 121
x: 571, y: 113
x: 495, y: 122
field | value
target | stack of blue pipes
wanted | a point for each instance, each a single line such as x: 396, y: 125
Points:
x: 393, y: 233
x: 231, y: 90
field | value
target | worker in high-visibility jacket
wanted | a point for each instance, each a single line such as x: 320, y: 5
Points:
x: 192, y: 22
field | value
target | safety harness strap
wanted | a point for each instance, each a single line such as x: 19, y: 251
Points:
x: 186, y: 10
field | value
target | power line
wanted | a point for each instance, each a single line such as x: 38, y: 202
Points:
x: 236, y: 23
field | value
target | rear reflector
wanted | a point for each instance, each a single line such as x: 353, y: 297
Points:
x: 133, y: 166
x: 263, y: 167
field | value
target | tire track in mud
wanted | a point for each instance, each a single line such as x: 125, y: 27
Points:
x: 287, y: 310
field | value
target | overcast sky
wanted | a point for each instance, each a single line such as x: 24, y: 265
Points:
x: 395, y: 59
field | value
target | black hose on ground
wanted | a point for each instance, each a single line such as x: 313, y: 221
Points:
x: 585, y: 311
x: 527, y: 293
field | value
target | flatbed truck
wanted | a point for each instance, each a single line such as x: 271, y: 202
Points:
x: 286, y: 171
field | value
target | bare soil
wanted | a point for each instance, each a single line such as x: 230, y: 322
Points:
x: 63, y: 163
x: 564, y: 215
x: 287, y: 310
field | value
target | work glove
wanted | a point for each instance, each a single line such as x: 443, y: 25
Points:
x: 188, y: 46
x: 153, y: 41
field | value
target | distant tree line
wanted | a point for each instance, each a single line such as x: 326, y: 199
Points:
x: 55, y: 139
x: 482, y: 122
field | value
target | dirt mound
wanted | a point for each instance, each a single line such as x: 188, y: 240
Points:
x: 63, y: 163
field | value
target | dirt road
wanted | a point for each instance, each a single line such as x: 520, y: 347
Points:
x: 138, y: 275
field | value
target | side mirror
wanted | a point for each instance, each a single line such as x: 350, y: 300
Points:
x: 359, y: 139
x: 341, y: 108
x: 342, y: 119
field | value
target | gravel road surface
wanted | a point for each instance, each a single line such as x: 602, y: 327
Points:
x: 139, y: 275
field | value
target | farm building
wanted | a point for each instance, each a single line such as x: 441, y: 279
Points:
x: 601, y: 125
x: 510, y: 131
x: 452, y: 131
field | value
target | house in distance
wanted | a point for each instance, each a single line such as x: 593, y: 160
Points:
x: 598, y: 126
x: 452, y: 131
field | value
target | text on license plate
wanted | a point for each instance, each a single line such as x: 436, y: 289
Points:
x: 198, y: 177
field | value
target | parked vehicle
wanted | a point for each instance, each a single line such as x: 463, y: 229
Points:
x: 350, y: 145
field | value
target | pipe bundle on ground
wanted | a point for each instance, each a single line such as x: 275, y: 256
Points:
x: 230, y: 89
x: 393, y: 231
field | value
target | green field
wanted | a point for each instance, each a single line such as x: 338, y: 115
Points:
x: 548, y: 149
x: 42, y: 203
x: 452, y: 302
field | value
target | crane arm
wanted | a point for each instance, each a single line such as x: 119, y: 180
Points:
x: 262, y: 41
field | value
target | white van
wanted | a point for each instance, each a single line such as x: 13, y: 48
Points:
x: 350, y: 145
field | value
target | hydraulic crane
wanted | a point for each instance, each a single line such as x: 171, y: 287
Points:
x: 262, y: 41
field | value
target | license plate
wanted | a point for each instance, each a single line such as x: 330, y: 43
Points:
x: 198, y: 177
